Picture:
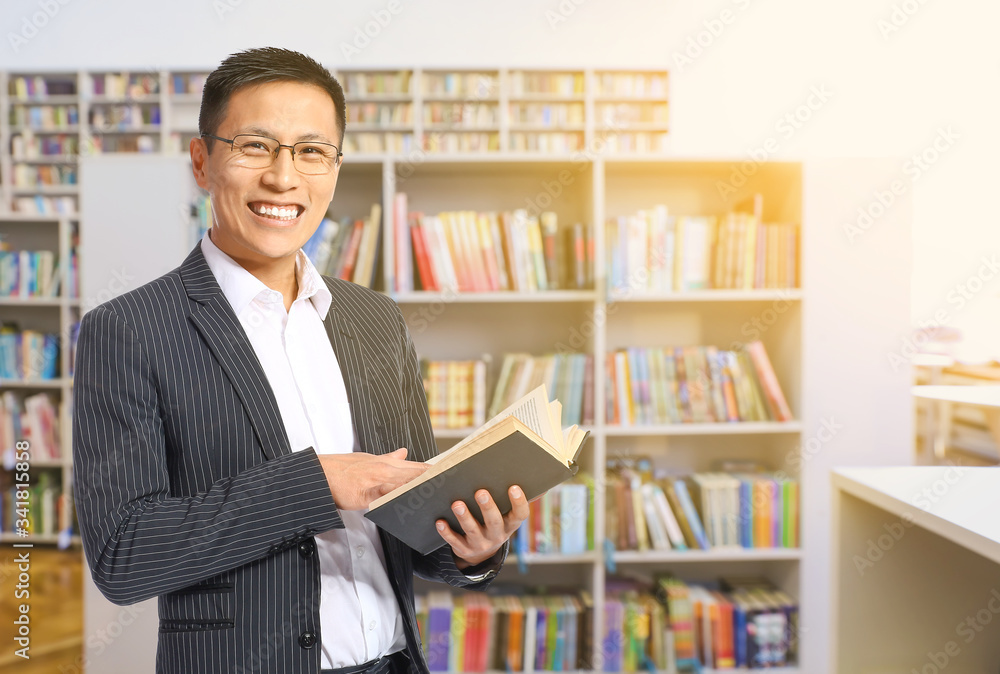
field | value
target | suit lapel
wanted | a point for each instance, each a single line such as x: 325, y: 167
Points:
x: 349, y: 350
x: 221, y: 330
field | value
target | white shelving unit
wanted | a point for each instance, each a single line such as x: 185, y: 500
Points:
x: 49, y: 315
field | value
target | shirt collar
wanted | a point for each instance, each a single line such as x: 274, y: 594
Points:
x: 241, y: 287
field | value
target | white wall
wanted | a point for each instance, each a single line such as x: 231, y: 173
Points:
x: 892, y: 89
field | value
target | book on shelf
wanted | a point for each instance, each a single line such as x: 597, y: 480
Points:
x: 24, y: 87
x: 561, y: 521
x: 28, y: 273
x: 568, y: 376
x: 45, y: 205
x: 348, y: 249
x: 653, y: 251
x: 654, y: 510
x: 28, y: 354
x: 35, y: 419
x: 523, y: 445
x: 692, y: 384
x: 50, y: 510
x: 488, y: 251
x: 685, y: 625
x: 513, y: 632
x: 44, y: 175
x: 44, y: 117
x: 456, y: 392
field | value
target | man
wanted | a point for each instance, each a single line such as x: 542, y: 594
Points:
x: 234, y: 417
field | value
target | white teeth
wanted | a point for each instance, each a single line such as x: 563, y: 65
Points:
x: 279, y: 212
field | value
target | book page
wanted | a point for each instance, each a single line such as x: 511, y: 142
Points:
x: 532, y: 410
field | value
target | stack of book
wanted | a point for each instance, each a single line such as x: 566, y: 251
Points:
x: 569, y: 377
x: 561, y: 521
x: 348, y: 249
x: 701, y: 511
x: 474, y: 632
x: 28, y: 273
x: 652, y: 251
x: 739, y: 622
x: 36, y: 420
x: 51, y: 510
x: 693, y: 384
x: 28, y: 354
x: 490, y: 251
x: 456, y: 392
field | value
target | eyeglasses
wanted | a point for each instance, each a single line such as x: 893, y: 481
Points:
x: 309, y: 157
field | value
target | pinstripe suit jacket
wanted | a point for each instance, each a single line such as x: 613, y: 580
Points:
x: 186, y: 486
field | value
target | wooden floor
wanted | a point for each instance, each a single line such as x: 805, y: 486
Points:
x: 55, y: 613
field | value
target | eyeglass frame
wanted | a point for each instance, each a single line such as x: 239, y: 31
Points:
x: 291, y: 148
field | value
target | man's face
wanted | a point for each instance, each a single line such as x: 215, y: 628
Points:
x: 289, y: 112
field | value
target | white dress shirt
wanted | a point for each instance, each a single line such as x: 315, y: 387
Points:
x: 359, y: 616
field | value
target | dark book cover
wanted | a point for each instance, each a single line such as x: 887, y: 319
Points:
x: 515, y: 459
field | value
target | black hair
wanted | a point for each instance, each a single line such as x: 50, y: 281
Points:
x: 259, y: 66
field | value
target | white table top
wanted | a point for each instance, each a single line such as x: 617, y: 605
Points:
x: 985, y: 396
x: 958, y: 503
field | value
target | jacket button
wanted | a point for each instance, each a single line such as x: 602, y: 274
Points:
x: 307, y: 548
x: 307, y: 640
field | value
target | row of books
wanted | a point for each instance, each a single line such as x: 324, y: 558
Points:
x: 470, y: 85
x: 28, y: 354
x: 36, y: 175
x: 28, y: 273
x: 454, y: 141
x: 615, y: 141
x: 654, y: 251
x: 624, y: 114
x: 124, y: 116
x: 461, y: 114
x: 456, y: 392
x: 50, y: 511
x: 39, y: 204
x: 45, y: 117
x: 29, y: 146
x: 376, y: 83
x: 547, y: 114
x: 568, y: 377
x: 144, y: 143
x: 631, y: 85
x: 751, y: 254
x: 489, y: 251
x: 692, y: 384
x: 24, y: 87
x: 701, y: 511
x: 35, y: 419
x: 561, y: 521
x: 348, y: 249
x: 377, y: 143
x: 123, y: 85
x: 476, y: 632
x: 187, y: 83
x: 735, y: 623
x: 546, y: 141
x: 384, y: 114
x: 535, y: 83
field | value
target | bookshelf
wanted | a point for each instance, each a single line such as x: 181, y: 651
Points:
x: 50, y: 315
x: 453, y: 325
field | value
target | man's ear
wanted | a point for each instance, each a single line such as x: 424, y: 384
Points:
x: 199, y: 157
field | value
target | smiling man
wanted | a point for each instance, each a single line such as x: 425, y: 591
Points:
x: 235, y: 417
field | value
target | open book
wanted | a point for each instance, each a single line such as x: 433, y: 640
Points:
x: 522, y: 445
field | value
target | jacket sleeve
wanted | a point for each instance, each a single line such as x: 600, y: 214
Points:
x: 140, y: 540
x: 440, y: 564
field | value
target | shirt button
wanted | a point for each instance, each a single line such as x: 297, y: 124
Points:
x: 371, y: 625
x: 361, y: 551
x: 307, y: 640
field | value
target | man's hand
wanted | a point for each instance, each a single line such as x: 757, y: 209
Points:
x: 481, y: 541
x: 358, y: 478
